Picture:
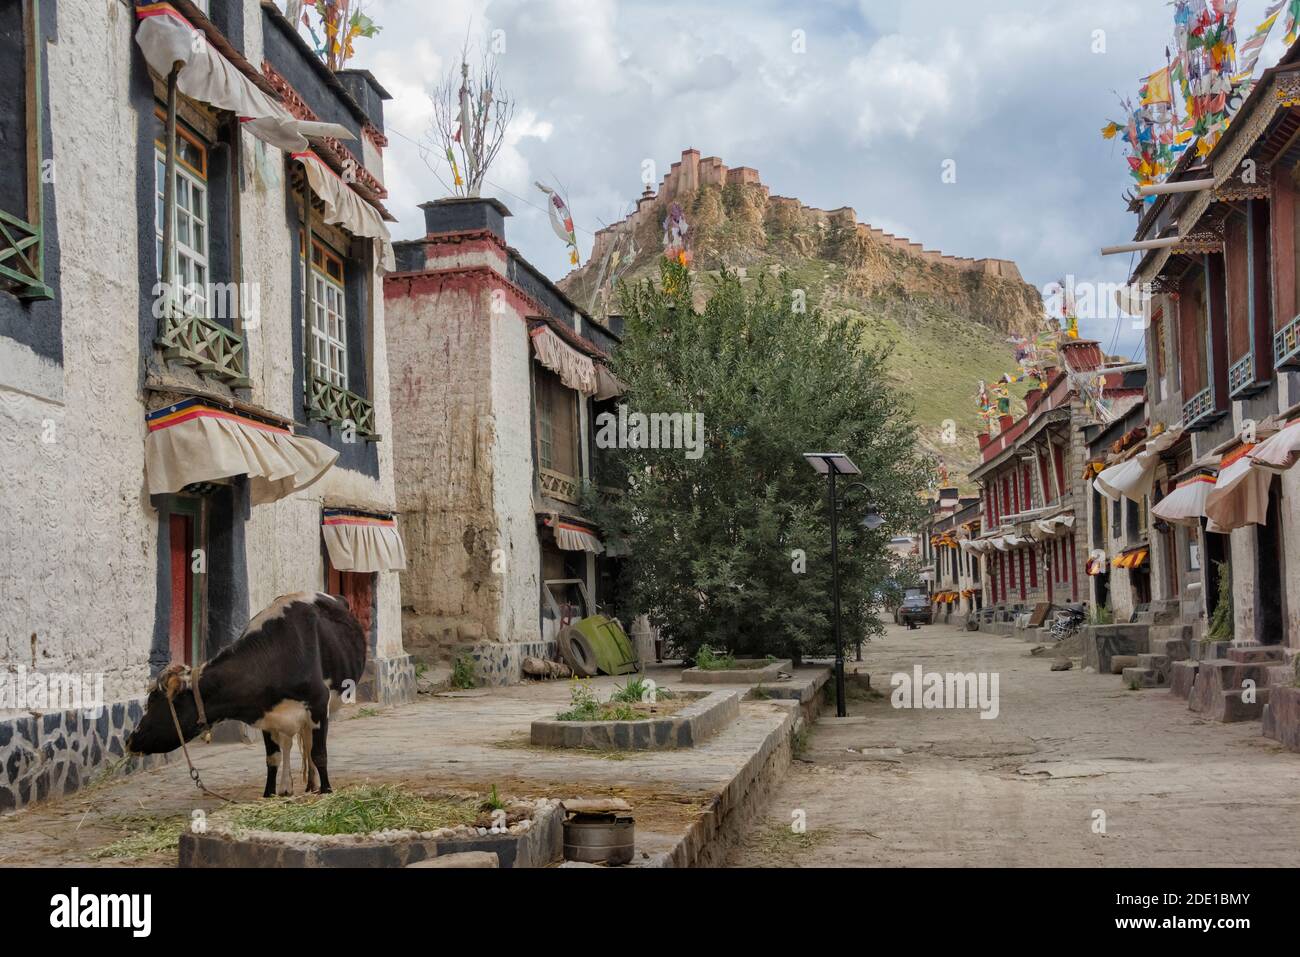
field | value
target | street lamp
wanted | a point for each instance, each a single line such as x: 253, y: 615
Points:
x: 832, y: 464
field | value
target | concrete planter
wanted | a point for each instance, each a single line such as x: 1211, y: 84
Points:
x: 685, y: 729
x: 1282, y: 716
x: 752, y: 672
x: 1101, y: 643
x: 538, y: 844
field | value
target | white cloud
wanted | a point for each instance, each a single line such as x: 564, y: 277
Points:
x: 1009, y: 89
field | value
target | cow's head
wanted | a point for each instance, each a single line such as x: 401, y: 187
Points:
x: 156, y: 732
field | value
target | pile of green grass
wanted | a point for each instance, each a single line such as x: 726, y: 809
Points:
x: 147, y: 835
x: 354, y: 810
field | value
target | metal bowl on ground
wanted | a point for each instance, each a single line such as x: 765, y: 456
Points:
x: 599, y: 839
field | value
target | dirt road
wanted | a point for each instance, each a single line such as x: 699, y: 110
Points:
x: 908, y: 787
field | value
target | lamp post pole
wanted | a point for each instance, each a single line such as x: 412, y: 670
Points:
x: 841, y: 707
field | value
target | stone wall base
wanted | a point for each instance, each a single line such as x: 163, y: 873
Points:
x: 388, y: 681
x: 499, y: 664
x: 48, y: 755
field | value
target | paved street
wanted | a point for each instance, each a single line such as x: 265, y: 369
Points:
x: 918, y: 788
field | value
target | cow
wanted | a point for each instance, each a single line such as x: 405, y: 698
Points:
x: 280, y: 676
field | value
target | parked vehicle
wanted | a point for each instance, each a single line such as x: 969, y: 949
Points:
x: 1068, y: 620
x: 915, y: 609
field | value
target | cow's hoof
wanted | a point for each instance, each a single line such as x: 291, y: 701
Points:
x: 268, y: 794
x: 326, y: 790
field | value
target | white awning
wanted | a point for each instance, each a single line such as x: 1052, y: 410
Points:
x: 166, y: 38
x: 1240, y: 496
x: 1131, y: 479
x: 575, y: 538
x: 1134, y: 478
x: 608, y: 385
x: 343, y: 207
x: 194, y: 442
x: 1281, y: 451
x: 575, y: 370
x: 362, y: 543
x: 1185, y: 505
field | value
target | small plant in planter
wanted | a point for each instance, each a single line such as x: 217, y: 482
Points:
x: 585, y: 706
x: 638, y: 690
x: 707, y: 659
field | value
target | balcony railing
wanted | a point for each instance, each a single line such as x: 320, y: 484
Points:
x: 205, y: 344
x: 1286, y: 344
x: 1241, y: 377
x: 560, y: 486
x: 1199, y: 412
x: 21, y: 263
x: 327, y: 402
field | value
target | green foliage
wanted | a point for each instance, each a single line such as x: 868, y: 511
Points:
x: 354, y: 810
x: 494, y: 802
x: 713, y: 541
x: 145, y: 835
x: 462, y: 673
x: 1101, y: 615
x: 583, y: 704
x: 706, y: 659
x: 1221, y: 622
x: 636, y: 690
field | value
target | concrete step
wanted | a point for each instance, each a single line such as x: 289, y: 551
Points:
x: 1282, y: 717
x: 1281, y: 676
x: 1219, y: 692
x: 1182, y: 675
x: 1145, y: 678
x: 1157, y: 663
x: 1205, y: 650
x: 1250, y: 654
x: 1174, y: 647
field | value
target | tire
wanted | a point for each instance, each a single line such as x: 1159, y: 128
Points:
x: 578, y: 653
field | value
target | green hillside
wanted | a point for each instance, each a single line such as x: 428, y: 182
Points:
x: 946, y: 327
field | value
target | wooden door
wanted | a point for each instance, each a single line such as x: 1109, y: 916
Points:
x: 358, y: 590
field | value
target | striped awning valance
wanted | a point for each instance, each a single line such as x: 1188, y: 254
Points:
x: 362, y: 542
x: 195, y: 441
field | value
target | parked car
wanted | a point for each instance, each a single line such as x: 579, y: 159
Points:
x: 915, y: 609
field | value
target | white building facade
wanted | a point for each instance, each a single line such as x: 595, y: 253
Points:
x: 178, y: 446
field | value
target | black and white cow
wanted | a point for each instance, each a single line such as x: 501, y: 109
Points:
x: 279, y: 677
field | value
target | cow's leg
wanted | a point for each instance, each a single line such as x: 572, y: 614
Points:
x: 272, y: 762
x: 318, y: 758
x: 308, y: 769
x: 286, y: 776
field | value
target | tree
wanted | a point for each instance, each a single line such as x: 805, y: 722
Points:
x: 471, y: 115
x: 732, y: 548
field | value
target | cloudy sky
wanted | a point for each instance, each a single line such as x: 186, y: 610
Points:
x: 881, y: 96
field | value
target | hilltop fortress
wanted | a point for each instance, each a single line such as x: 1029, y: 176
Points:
x: 692, y: 171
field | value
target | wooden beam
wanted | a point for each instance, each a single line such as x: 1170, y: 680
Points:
x: 1142, y: 245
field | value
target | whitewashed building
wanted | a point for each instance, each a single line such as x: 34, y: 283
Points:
x: 497, y: 381
x: 178, y: 446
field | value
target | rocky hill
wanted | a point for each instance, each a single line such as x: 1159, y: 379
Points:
x: 946, y: 319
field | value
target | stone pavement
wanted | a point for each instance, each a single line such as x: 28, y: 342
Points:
x: 467, y: 742
x: 889, y: 787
